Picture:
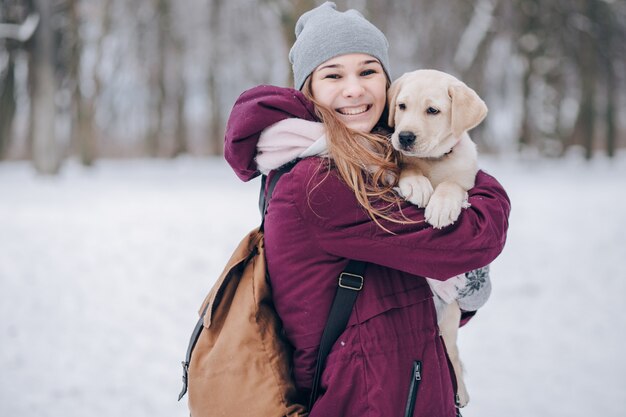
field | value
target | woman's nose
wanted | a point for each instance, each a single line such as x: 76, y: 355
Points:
x: 353, y: 88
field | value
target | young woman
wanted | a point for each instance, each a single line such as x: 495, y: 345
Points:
x: 336, y: 204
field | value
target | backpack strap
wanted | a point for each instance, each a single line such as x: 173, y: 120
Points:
x: 262, y: 196
x: 264, y: 199
x: 348, y: 287
x: 195, y: 335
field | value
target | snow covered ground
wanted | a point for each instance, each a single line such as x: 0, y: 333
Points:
x: 102, y: 270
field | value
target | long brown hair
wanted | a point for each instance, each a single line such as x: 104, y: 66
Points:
x: 366, y: 162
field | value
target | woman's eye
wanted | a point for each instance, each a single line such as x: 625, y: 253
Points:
x: 332, y: 76
x: 402, y: 106
x: 432, y: 110
x: 368, y: 72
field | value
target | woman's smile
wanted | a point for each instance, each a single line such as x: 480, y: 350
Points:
x: 353, y: 110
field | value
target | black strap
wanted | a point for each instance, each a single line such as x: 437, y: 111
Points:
x: 348, y: 287
x: 192, y: 344
x: 264, y: 199
x: 262, y: 196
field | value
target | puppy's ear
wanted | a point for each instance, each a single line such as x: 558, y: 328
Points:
x: 392, y: 95
x: 468, y: 110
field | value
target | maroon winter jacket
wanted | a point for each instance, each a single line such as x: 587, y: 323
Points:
x: 313, y: 226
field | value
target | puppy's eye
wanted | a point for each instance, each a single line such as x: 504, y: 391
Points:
x: 432, y: 110
x: 402, y: 106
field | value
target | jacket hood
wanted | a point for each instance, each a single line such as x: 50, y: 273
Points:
x: 255, y: 110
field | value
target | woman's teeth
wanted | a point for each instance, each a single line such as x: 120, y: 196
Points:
x: 352, y: 111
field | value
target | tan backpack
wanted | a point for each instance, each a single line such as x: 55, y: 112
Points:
x: 237, y: 363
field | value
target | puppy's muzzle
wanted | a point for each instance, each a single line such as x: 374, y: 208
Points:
x: 407, y: 139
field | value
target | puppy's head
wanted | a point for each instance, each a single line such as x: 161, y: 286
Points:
x: 430, y: 111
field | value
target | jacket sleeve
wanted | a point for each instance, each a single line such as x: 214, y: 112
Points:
x: 255, y: 110
x: 342, y: 228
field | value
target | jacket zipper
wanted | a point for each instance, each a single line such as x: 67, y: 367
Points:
x: 416, y: 379
x: 453, y: 379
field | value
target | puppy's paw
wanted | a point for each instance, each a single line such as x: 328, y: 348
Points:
x: 443, y: 210
x: 416, y: 189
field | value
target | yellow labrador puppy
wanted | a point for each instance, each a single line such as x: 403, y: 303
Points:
x: 432, y: 112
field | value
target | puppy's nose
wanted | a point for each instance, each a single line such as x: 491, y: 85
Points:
x: 406, y: 138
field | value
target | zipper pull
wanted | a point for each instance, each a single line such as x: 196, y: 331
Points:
x: 418, y: 371
x: 416, y: 380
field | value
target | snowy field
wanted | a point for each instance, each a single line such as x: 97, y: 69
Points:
x: 102, y: 270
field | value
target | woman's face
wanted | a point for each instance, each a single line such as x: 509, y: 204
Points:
x: 354, y: 86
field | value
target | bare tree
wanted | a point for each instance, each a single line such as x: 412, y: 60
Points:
x: 7, y: 100
x: 180, y: 145
x: 288, y: 13
x: 216, y: 123
x: 154, y: 137
x: 47, y: 154
x: 609, y: 34
x: 15, y: 29
x: 83, y: 132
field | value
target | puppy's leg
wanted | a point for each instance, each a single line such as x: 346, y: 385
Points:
x: 445, y: 204
x: 414, y: 187
x: 449, y: 326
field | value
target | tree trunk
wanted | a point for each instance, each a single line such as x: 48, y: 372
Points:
x: 14, y: 18
x: 7, y: 106
x: 289, y: 20
x: 609, y: 30
x: 529, y: 26
x: 611, y: 102
x: 180, y: 132
x: 180, y: 129
x: 45, y: 147
x: 216, y: 126
x: 288, y: 13
x: 180, y: 144
x: 154, y: 136
x: 83, y: 135
x: 525, y: 136
x: 584, y: 127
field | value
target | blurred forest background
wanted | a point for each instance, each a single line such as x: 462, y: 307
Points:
x: 94, y: 79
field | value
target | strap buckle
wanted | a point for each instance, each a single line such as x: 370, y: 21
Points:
x: 185, y: 379
x: 351, y: 281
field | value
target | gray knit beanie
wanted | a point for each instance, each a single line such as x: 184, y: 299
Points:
x: 324, y: 33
